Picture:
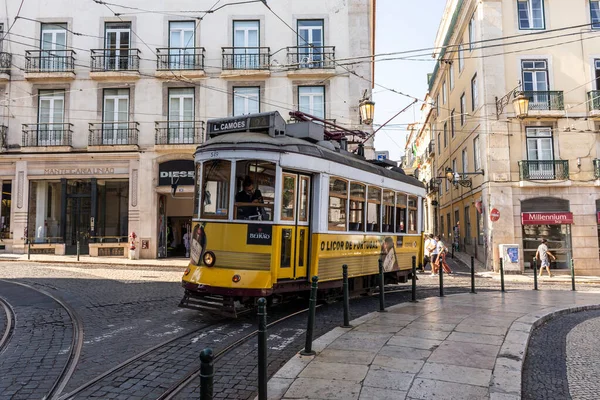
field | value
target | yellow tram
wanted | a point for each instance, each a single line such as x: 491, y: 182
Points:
x: 277, y: 204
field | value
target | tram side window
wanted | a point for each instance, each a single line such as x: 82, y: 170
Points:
x: 374, y: 209
x: 303, y: 203
x: 338, y: 195
x: 388, y: 211
x: 400, y: 213
x: 288, y: 197
x: 412, y: 215
x: 255, y: 190
x: 215, y: 189
x: 357, y: 207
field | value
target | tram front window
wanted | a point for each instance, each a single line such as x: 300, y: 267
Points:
x: 255, y: 190
x: 215, y: 189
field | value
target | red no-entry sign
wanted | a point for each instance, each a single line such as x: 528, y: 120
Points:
x: 494, y: 215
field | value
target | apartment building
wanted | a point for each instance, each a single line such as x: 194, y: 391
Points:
x: 103, y: 104
x: 518, y: 174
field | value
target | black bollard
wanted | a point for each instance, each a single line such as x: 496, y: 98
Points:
x: 535, y: 283
x: 78, y: 250
x: 572, y: 275
x: 502, y: 275
x: 453, y: 246
x: 441, y: 272
x: 262, y: 349
x: 381, y: 288
x: 473, y: 275
x: 311, y: 318
x: 346, y: 297
x: 28, y: 249
x: 206, y: 374
x: 413, y: 296
x: 421, y: 267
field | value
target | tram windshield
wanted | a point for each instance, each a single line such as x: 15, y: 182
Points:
x: 255, y: 190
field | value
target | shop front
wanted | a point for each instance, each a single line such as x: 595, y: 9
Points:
x: 550, y: 219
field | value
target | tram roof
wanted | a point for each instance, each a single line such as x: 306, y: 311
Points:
x: 264, y: 142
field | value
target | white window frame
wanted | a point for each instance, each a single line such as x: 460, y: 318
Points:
x: 312, y: 99
x: 530, y: 15
x: 444, y: 94
x: 471, y: 32
x: 451, y: 76
x: 117, y: 124
x: 181, y: 55
x: 474, y: 93
x: 461, y: 58
x: 242, y: 93
x: 477, y: 153
x: 182, y: 129
x: 465, y: 161
x: 463, y: 109
x: 51, y: 131
x: 596, y: 24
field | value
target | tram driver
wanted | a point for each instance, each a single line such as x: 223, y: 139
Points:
x: 249, y: 195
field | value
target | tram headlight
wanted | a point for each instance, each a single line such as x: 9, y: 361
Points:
x: 209, y: 258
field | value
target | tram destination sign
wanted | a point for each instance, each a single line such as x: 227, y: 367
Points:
x: 238, y: 124
x: 546, y: 218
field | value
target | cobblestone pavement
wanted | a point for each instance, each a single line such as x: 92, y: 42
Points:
x: 562, y: 359
x: 127, y: 310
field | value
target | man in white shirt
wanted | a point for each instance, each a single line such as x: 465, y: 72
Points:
x: 427, y: 247
x: 433, y: 246
x: 542, y: 254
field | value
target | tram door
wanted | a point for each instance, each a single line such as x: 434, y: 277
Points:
x: 295, y: 198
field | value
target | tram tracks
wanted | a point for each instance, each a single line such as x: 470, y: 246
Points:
x: 10, y: 324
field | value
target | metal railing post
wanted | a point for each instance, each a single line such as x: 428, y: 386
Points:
x: 502, y: 275
x: 535, y: 280
x: 441, y: 272
x: 381, y: 288
x: 572, y: 275
x: 311, y: 318
x: 262, y: 349
x: 346, y: 297
x: 473, y: 275
x: 78, y: 250
x: 206, y: 374
x: 413, y: 296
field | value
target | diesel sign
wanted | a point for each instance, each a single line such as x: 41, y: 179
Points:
x: 180, y: 172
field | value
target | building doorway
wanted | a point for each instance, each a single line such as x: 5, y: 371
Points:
x: 78, y: 216
x: 174, y: 221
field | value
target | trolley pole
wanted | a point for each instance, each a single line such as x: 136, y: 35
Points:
x: 346, y: 297
x: 262, y: 349
x: 413, y: 297
x: 572, y: 275
x: 381, y: 288
x: 441, y: 272
x: 206, y: 374
x: 473, y: 275
x: 308, y: 351
x: 535, y: 282
x: 502, y: 275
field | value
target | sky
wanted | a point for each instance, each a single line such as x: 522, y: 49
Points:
x: 402, y: 25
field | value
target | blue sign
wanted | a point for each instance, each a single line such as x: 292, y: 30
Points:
x: 381, y: 157
x: 513, y: 254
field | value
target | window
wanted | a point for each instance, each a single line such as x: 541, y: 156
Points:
x: 51, y: 109
x: 454, y: 167
x: 476, y: 154
x: 358, y: 196
x: 463, y: 109
x: 539, y: 152
x: 595, y: 11
x: 255, y: 192
x: 451, y: 76
x: 535, y: 79
x: 388, y: 211
x: 53, y: 44
x: 437, y: 105
x: 531, y: 14
x: 401, y: 200
x: 597, y: 73
x: 311, y: 100
x: 474, y: 94
x: 439, y: 143
x: 338, y: 195
x: 5, y: 207
x: 181, y: 45
x: 117, y: 45
x: 310, y: 43
x: 448, y: 226
x: 115, y: 117
x: 444, y: 95
x: 467, y: 231
x: 465, y: 161
x: 215, y: 189
x: 479, y: 227
x: 246, y: 42
x: 447, y: 184
x: 288, y: 197
x: 471, y: 32
x: 412, y: 214
x: 246, y: 100
x: 452, y: 122
x: 181, y: 116
x: 461, y: 58
x: 445, y: 134
x: 304, y: 199
x: 373, y: 209
x: 1, y: 37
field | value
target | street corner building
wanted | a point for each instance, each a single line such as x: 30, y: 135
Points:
x: 102, y: 110
x: 508, y: 140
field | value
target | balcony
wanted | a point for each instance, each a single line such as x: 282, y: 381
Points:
x: 431, y: 149
x: 178, y: 133
x: 594, y: 103
x: 47, y: 137
x: 115, y: 64
x: 597, y: 168
x: 545, y: 170
x: 545, y: 104
x: 432, y: 186
x: 3, y: 132
x: 246, y: 61
x: 113, y: 136
x: 5, y: 64
x: 180, y: 62
x: 49, y: 65
x: 311, y: 61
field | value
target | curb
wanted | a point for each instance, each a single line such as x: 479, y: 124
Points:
x: 92, y: 263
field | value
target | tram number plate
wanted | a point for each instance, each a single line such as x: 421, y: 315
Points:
x: 214, y: 154
x: 111, y: 251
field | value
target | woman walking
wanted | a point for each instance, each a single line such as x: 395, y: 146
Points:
x: 441, y: 259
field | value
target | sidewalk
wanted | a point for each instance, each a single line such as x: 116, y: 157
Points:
x: 53, y: 259
x: 562, y: 276
x: 465, y: 346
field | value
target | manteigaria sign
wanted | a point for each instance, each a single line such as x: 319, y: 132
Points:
x: 546, y: 218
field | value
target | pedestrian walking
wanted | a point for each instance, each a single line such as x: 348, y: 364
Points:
x: 434, y: 255
x: 186, y: 243
x: 542, y: 254
x: 428, y: 248
x: 442, y: 250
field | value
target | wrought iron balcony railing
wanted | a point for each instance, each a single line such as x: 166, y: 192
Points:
x: 541, y: 170
x: 431, y: 148
x: 113, y: 133
x: 42, y: 135
x: 106, y: 60
x: 49, y: 61
x: 594, y: 100
x: 180, y: 58
x: 3, y: 131
x: 432, y: 186
x: 597, y: 168
x: 246, y: 58
x: 300, y: 57
x: 5, y: 62
x: 545, y: 101
x: 179, y: 132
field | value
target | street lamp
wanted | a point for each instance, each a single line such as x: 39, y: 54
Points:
x: 367, y: 110
x: 521, y: 105
x: 519, y: 100
x: 460, y: 179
